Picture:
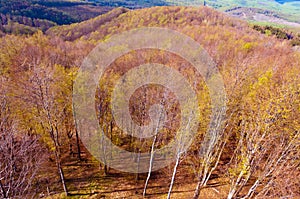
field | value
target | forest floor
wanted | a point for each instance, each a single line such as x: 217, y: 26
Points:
x: 86, y: 179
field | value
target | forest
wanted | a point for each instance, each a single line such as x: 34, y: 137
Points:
x: 256, y: 153
x: 27, y: 16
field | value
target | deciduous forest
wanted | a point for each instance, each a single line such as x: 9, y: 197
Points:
x: 256, y: 154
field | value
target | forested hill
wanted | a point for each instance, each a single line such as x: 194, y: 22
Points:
x: 281, y: 9
x: 77, y: 30
x: 120, y: 19
x: 256, y: 154
x: 27, y: 16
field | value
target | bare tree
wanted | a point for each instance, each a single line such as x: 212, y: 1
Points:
x: 265, y: 151
x: 179, y: 154
x: 21, y: 156
x: 262, y: 156
x: 51, y: 113
x: 43, y: 92
x: 159, y: 116
x: 210, y: 153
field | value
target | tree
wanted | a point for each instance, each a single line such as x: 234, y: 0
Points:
x: 21, y: 155
x: 159, y: 116
x: 210, y: 158
x: 268, y: 140
x: 42, y: 91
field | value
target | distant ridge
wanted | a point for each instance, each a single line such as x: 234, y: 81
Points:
x: 77, y: 30
x: 120, y: 19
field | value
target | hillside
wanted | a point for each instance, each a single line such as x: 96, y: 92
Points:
x: 28, y: 16
x: 77, y: 30
x: 284, y: 12
x: 171, y: 17
x: 260, y: 15
x: 256, y: 153
x: 104, y: 23
x: 288, y: 10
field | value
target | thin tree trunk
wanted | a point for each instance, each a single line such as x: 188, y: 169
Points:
x: 111, y: 138
x: 252, y: 189
x: 77, y: 135
x: 150, y: 166
x: 173, y: 176
x: 233, y: 189
x: 62, y: 177
x: 58, y: 162
x: 179, y: 152
x: 137, y: 175
x: 60, y: 171
x: 213, y: 154
x: 78, y: 145
x: 201, y: 180
x: 102, y: 149
x: 138, y: 166
x: 197, y: 190
x: 105, y: 170
x: 106, y: 167
x: 152, y: 152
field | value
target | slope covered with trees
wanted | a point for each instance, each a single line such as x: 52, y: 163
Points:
x: 256, y: 155
x: 77, y: 30
x: 27, y: 16
x: 282, y: 10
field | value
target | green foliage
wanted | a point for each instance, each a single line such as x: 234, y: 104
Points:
x: 270, y: 30
x: 280, y: 33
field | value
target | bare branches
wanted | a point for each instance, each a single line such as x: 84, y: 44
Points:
x: 21, y: 156
x: 268, y: 143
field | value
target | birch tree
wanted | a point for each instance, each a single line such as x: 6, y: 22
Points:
x: 268, y: 140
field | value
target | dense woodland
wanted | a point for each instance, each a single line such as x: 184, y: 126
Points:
x: 27, y: 16
x: 257, y: 154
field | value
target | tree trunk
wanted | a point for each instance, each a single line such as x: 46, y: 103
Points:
x: 138, y: 166
x: 150, y: 166
x: 111, y: 138
x: 78, y: 145
x: 77, y: 135
x: 105, y: 170
x: 231, y: 193
x: 173, y: 176
x: 60, y: 171
x: 62, y: 177
x: 234, y: 187
x: 197, y: 191
x: 152, y: 151
x: 252, y: 189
